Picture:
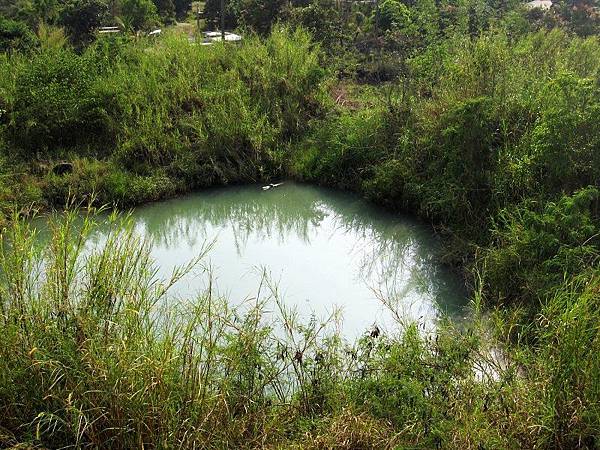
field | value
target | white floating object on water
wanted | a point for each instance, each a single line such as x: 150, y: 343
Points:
x: 270, y: 186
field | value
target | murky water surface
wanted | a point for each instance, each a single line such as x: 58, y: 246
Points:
x: 323, y: 250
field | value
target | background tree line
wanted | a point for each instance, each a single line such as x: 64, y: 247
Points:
x: 80, y: 18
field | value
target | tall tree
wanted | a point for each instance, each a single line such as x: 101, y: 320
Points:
x: 81, y: 17
x: 181, y: 8
x: 139, y: 14
x: 166, y: 10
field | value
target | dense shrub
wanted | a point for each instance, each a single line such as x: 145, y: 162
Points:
x: 139, y: 14
x: 492, y: 137
x: 481, y: 132
x: 15, y: 36
x: 323, y: 20
x: 233, y: 110
x: 202, y: 115
x: 535, y: 246
x: 58, y: 103
x: 256, y: 15
x: 166, y: 10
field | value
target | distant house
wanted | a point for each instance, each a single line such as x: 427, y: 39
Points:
x: 210, y: 37
x: 539, y: 4
x: 109, y: 30
x: 216, y: 36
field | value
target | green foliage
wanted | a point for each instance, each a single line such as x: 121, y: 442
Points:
x: 581, y: 17
x: 257, y: 15
x: 261, y: 15
x: 166, y: 10
x: 179, y: 115
x: 204, y: 375
x: 322, y: 20
x: 568, y: 353
x: 212, y: 14
x: 57, y: 104
x: 105, y: 184
x: 414, y: 382
x: 81, y: 17
x: 339, y: 152
x: 85, y: 361
x: 221, y: 116
x: 487, y: 128
x: 393, y: 14
x: 139, y: 14
x: 536, y: 247
x: 565, y: 141
x: 15, y: 36
x: 182, y: 7
x: 44, y: 10
x: 480, y: 131
x: 457, y: 160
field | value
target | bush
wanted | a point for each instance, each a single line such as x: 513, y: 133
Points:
x: 59, y: 104
x: 15, y: 36
x: 257, y: 15
x: 393, y: 14
x: 166, y: 10
x: 322, y: 19
x: 198, y: 107
x: 536, y: 246
x: 139, y: 14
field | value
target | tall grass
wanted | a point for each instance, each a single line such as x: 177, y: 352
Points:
x: 497, y: 146
x: 94, y: 352
x: 160, y: 117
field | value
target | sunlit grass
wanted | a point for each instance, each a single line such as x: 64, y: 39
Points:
x: 94, y: 352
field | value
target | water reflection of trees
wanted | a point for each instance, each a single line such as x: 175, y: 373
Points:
x: 396, y: 254
x: 247, y: 211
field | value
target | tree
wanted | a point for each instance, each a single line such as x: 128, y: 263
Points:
x: 15, y: 35
x: 139, y: 14
x: 261, y: 15
x: 258, y: 15
x: 181, y: 8
x: 581, y: 16
x: 81, y: 17
x: 212, y: 12
x: 393, y: 14
x: 322, y: 19
x: 166, y: 10
x: 45, y: 10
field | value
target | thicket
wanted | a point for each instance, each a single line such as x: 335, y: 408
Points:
x: 95, y: 353
x: 507, y: 130
x: 139, y: 123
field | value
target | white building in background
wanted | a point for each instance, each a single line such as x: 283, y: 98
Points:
x: 216, y: 36
x: 541, y: 4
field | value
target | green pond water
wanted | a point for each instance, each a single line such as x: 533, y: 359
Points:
x: 323, y: 249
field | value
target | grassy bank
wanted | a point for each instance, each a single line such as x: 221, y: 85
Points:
x: 142, y: 120
x: 498, y: 148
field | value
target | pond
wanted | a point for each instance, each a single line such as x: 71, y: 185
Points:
x: 323, y: 249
